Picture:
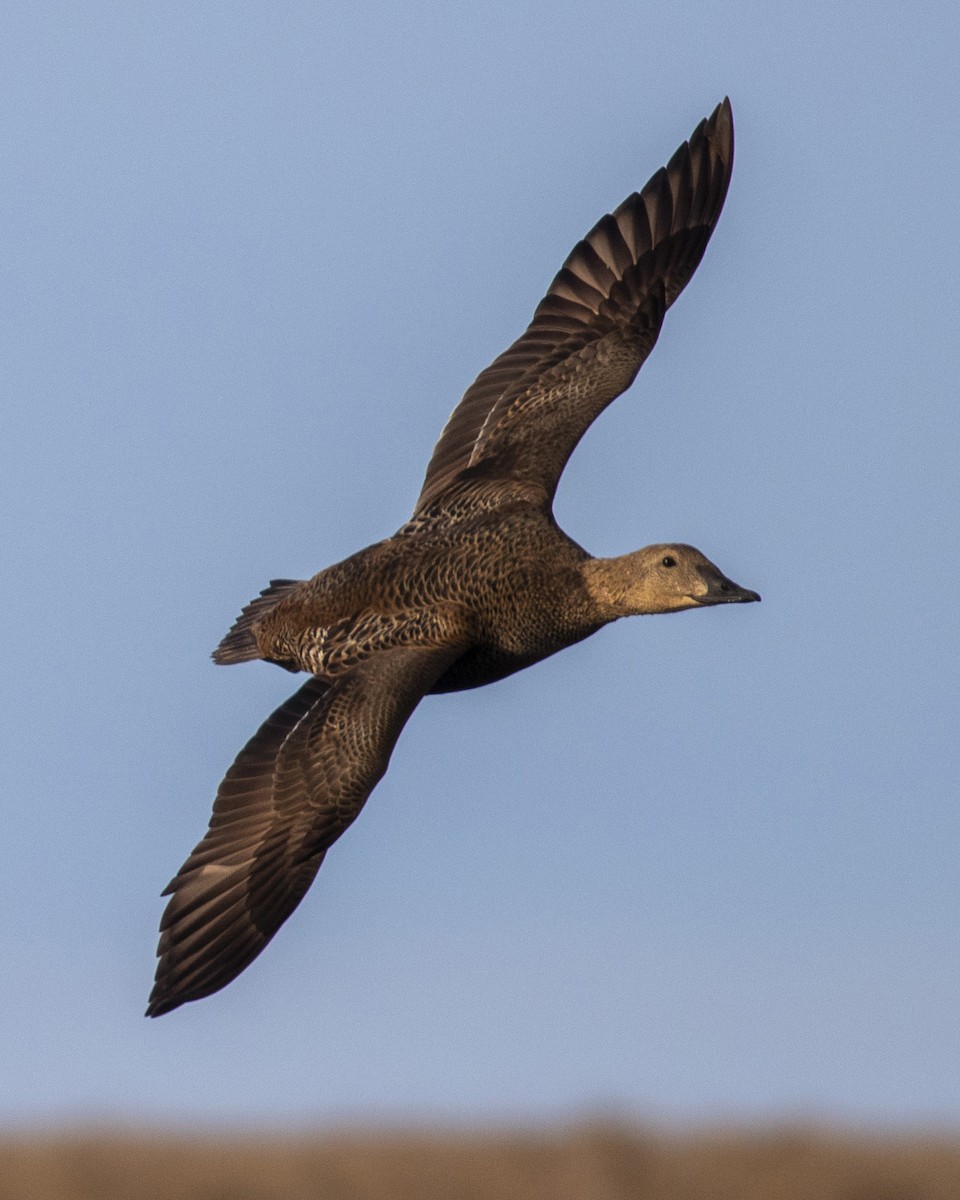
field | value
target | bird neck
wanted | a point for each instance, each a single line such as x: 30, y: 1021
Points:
x: 619, y: 587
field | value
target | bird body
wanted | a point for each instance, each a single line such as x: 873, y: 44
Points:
x: 480, y: 583
x: 510, y: 592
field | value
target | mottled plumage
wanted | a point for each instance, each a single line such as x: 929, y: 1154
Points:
x: 480, y: 583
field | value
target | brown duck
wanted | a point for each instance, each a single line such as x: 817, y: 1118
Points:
x: 481, y: 582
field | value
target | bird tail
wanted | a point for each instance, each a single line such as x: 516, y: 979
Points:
x: 240, y: 644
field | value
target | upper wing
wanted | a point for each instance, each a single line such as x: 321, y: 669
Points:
x: 293, y: 789
x: 522, y: 418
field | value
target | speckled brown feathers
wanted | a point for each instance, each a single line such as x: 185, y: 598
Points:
x: 481, y: 582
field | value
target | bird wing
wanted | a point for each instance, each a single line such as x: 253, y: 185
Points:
x: 293, y: 789
x: 521, y: 419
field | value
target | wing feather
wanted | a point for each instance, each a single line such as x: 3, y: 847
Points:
x: 294, y: 788
x: 523, y: 416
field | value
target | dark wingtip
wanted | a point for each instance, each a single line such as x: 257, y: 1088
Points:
x: 720, y: 127
x: 162, y: 999
x: 156, y: 1008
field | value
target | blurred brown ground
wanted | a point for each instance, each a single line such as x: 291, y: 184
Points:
x: 586, y: 1162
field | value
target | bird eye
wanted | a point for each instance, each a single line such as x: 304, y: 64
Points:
x: 667, y: 561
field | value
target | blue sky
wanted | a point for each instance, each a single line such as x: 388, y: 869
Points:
x: 693, y: 867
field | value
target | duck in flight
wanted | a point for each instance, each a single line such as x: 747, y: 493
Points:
x: 479, y: 583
